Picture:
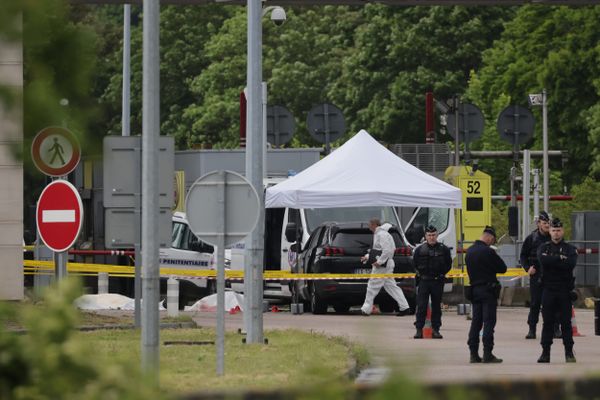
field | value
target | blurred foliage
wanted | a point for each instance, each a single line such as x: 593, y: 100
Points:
x: 50, y: 362
x: 59, y: 63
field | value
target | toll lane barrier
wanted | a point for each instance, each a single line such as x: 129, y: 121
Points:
x: 47, y: 267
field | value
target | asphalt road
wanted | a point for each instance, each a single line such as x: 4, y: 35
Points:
x: 389, y: 339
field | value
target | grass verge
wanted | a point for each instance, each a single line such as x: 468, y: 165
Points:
x: 292, y: 359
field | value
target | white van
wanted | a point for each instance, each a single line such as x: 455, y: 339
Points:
x: 442, y: 218
x: 188, y: 252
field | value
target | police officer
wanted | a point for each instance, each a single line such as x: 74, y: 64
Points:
x: 557, y: 259
x: 530, y: 264
x: 482, y: 266
x: 432, y: 261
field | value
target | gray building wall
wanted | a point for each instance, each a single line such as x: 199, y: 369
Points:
x: 11, y: 177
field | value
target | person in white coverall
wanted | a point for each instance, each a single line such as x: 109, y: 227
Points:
x: 382, y: 240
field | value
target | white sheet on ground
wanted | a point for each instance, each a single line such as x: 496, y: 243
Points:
x: 209, y: 303
x: 109, y: 301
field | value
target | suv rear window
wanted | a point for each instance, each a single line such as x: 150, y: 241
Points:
x: 360, y: 238
x: 353, y: 238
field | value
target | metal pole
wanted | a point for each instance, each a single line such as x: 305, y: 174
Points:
x: 264, y: 120
x: 456, y: 143
x: 536, y: 192
x: 137, y: 280
x: 526, y: 191
x: 327, y: 133
x: 150, y: 206
x: 125, y: 131
x: 60, y: 265
x: 254, y: 269
x: 545, y: 148
x: 221, y: 274
x: 125, y: 124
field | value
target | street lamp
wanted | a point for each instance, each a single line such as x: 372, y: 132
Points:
x: 541, y: 99
x: 253, y: 269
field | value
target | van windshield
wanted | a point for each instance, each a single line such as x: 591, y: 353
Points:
x: 316, y: 216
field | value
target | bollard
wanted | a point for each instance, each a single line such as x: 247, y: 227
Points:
x: 597, y: 317
x: 102, y: 282
x: 297, y: 308
x: 172, y: 297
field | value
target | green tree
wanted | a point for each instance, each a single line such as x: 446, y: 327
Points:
x: 540, y: 49
x: 400, y: 53
x: 184, y: 31
x: 301, y: 62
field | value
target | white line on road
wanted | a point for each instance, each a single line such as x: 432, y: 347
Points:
x: 58, y: 216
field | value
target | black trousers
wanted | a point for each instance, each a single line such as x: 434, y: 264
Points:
x: 556, y: 301
x: 435, y: 289
x: 484, y: 305
x: 535, y: 292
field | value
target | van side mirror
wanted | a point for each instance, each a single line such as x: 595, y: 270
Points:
x: 291, y: 232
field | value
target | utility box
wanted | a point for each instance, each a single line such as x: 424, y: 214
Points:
x: 476, y: 188
x: 585, y: 233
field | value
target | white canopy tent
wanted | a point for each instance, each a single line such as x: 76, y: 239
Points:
x: 362, y: 172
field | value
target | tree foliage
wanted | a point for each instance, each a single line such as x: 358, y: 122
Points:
x: 50, y: 362
x: 375, y: 63
x: 540, y: 49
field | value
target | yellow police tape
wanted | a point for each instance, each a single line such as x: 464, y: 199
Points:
x: 47, y: 267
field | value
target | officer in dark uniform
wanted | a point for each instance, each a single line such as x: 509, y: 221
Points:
x: 482, y: 266
x: 530, y: 264
x: 557, y: 259
x: 432, y: 261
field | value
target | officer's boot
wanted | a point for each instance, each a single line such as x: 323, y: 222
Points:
x: 489, y: 358
x: 436, y: 334
x: 545, y: 357
x: 569, y: 355
x: 531, y: 334
x: 419, y: 334
x: 474, y: 357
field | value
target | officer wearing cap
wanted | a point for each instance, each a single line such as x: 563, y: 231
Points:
x: 432, y: 261
x: 557, y: 260
x: 529, y: 262
x: 482, y: 266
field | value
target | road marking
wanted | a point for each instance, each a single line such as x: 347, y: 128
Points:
x: 49, y: 216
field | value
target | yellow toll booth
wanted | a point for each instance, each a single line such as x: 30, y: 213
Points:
x: 476, y: 187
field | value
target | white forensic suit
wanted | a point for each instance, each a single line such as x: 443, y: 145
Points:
x: 383, y: 240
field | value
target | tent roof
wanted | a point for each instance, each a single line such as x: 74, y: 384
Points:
x: 362, y: 172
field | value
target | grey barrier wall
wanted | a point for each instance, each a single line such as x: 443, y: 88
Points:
x: 11, y: 176
x: 280, y: 162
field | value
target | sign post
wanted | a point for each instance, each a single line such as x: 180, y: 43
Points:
x: 59, y: 217
x: 222, y: 208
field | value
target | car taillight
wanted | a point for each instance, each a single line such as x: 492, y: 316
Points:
x: 403, y: 251
x: 333, y: 251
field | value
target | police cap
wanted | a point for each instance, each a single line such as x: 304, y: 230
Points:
x: 490, y: 230
x: 430, y: 229
x: 556, y: 223
x: 544, y: 216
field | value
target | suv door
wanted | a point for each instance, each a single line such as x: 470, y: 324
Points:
x: 300, y: 287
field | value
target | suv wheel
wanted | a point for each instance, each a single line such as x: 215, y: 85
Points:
x: 317, y: 305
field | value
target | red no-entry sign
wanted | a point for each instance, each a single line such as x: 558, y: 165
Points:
x: 59, y: 215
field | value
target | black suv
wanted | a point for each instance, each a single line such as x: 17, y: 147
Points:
x: 337, y: 248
